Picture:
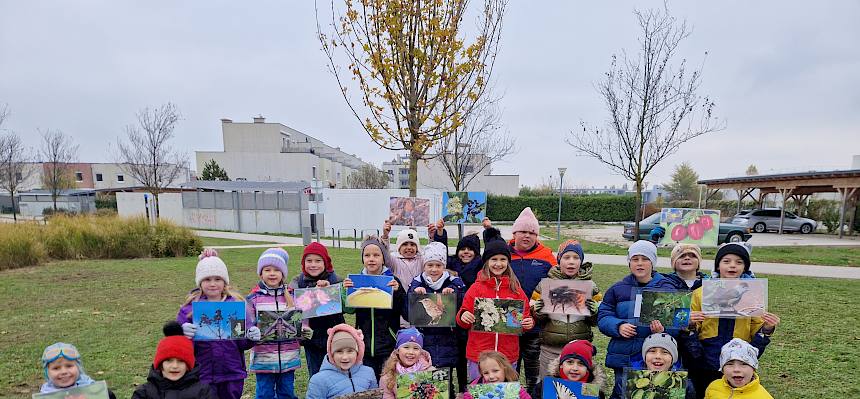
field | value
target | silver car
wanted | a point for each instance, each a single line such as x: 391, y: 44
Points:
x: 762, y: 220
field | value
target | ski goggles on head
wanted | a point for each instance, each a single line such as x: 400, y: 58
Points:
x: 58, y: 350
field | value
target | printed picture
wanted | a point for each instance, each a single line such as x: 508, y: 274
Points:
x: 370, y: 292
x: 375, y: 393
x: 218, y: 320
x: 431, y: 384
x: 565, y: 296
x: 655, y: 384
x: 432, y: 310
x: 557, y: 388
x: 96, y: 390
x: 409, y: 211
x: 732, y: 298
x: 501, y: 390
x: 672, y: 308
x: 316, y: 302
x: 503, y: 316
x: 464, y: 207
x: 692, y: 226
x: 281, y: 325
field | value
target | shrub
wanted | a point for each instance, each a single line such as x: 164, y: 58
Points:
x: 105, y: 201
x: 602, y: 208
x: 20, y: 245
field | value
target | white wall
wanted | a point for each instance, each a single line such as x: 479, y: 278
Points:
x: 133, y: 204
x: 368, y: 209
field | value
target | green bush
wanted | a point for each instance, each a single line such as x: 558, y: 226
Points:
x: 601, y: 208
x: 105, y: 201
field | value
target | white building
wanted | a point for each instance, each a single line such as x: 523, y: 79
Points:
x: 432, y: 175
x: 97, y: 176
x: 262, y: 151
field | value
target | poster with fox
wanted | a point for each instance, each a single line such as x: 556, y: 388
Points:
x: 690, y: 226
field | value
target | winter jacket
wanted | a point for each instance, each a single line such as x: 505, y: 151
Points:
x: 617, y: 309
x: 187, y: 387
x: 682, y: 285
x: 441, y: 342
x: 559, y: 329
x: 219, y: 361
x: 273, y: 357
x: 720, y: 389
x: 331, y: 381
x: 404, y: 268
x: 322, y: 323
x: 468, y: 272
x: 479, y: 341
x: 597, y: 376
x: 380, y: 325
x: 390, y: 392
x: 480, y: 380
x: 530, y: 267
x: 715, y: 332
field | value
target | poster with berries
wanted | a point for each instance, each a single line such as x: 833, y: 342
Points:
x: 430, y: 384
x: 690, y: 226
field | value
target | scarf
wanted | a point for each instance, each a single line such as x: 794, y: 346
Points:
x: 83, y: 380
x: 385, y: 272
x: 411, y: 369
x: 436, y: 286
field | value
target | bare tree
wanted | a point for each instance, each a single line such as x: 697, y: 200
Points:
x: 147, y: 155
x: 16, y: 165
x: 57, y: 152
x: 367, y: 177
x: 653, y: 105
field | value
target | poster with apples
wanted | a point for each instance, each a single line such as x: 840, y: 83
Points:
x: 691, y: 226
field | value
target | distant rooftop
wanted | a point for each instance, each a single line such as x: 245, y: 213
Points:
x: 246, y: 186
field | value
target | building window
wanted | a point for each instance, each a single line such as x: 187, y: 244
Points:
x: 99, y: 177
x: 314, y: 172
x: 404, y: 171
x: 120, y: 178
x: 79, y: 177
x: 18, y: 176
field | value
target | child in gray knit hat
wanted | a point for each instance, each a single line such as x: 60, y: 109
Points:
x: 660, y: 353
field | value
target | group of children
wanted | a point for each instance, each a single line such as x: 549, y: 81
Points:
x: 720, y: 354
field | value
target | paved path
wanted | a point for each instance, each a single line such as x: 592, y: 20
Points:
x: 786, y: 269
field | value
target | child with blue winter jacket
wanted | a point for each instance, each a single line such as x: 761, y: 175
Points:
x: 660, y: 353
x: 342, y: 371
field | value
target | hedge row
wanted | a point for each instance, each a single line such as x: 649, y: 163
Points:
x: 600, y: 208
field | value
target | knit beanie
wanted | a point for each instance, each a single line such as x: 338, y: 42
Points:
x: 470, y: 241
x: 341, y: 340
x: 578, y: 349
x: 374, y: 240
x: 738, y: 349
x: 316, y: 248
x: 408, y: 335
x: 174, y: 344
x: 570, y: 245
x: 661, y: 340
x: 494, y: 245
x: 683, y: 248
x: 436, y: 252
x: 276, y: 257
x: 526, y: 222
x: 742, y: 250
x: 645, y: 248
x: 210, y: 265
x: 407, y: 235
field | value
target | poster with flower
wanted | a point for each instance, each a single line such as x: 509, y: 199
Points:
x: 96, y: 390
x: 690, y: 226
x: 430, y: 384
x: 464, y: 207
x: 318, y: 301
x: 503, y: 316
x: 499, y: 390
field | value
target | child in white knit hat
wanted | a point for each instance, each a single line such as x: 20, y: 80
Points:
x: 738, y: 362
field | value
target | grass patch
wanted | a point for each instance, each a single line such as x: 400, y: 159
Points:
x: 224, y: 242
x: 117, y: 326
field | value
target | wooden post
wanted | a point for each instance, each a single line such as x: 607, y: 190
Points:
x: 845, y: 195
x: 783, y: 192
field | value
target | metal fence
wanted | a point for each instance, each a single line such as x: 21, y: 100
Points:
x: 286, y: 201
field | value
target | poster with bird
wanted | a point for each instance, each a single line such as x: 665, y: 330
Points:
x: 218, y: 320
x: 96, y: 390
x: 671, y: 308
x: 565, y: 296
x: 655, y: 384
x: 557, y: 388
x: 690, y: 226
x: 430, y: 384
x: 409, y: 211
x: 733, y: 298
x: 499, y: 390
x: 279, y: 325
x: 432, y: 310
x: 503, y: 316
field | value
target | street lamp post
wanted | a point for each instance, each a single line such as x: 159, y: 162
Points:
x: 560, y: 189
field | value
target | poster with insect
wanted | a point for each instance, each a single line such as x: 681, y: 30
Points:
x: 672, y: 308
x: 218, y: 320
x: 499, y: 390
x: 279, y: 325
x: 318, y: 301
x: 409, y: 211
x: 370, y: 292
x: 96, y: 390
x: 733, y: 298
x: 430, y: 384
x: 503, y: 316
x: 565, y: 296
x: 432, y: 310
x: 461, y: 207
x: 641, y: 384
x: 691, y: 226
x: 557, y: 388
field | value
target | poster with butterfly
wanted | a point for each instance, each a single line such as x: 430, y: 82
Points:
x: 556, y: 388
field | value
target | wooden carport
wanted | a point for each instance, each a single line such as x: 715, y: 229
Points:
x: 796, y: 186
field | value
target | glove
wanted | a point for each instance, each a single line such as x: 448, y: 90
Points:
x: 307, y: 333
x: 538, y: 305
x: 592, y: 305
x: 254, y: 334
x: 188, y: 330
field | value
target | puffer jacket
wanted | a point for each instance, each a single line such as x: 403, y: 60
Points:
x: 322, y: 323
x: 441, y: 342
x: 720, y: 389
x: 597, y: 376
x: 187, y: 387
x: 530, y: 267
x: 617, y: 309
x: 559, y: 329
x: 389, y: 387
x: 380, y: 326
x: 331, y: 381
x: 479, y: 341
x: 273, y: 357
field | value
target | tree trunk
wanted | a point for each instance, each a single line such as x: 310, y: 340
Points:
x: 414, y: 157
x: 54, y: 199
x: 638, y: 215
x: 14, y: 211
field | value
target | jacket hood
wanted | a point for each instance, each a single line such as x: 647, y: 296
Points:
x: 585, y: 271
x: 190, y: 378
x: 597, y: 375
x: 356, y: 334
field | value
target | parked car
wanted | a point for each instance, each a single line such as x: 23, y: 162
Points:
x: 728, y: 232
x: 762, y: 220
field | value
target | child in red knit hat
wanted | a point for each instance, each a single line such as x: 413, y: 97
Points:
x: 173, y: 373
x: 576, y: 363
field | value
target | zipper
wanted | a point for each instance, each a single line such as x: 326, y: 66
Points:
x: 498, y: 285
x: 372, y: 336
x: 277, y: 309
x: 350, y: 380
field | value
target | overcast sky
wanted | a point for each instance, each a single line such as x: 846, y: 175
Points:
x: 784, y: 74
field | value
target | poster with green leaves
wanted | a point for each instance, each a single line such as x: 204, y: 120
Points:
x: 671, y: 308
x: 464, y: 207
x: 644, y: 384
x: 430, y: 384
x: 690, y: 226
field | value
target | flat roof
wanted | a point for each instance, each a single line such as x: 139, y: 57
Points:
x: 246, y: 185
x: 811, y: 175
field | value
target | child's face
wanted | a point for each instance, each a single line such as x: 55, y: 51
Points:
x: 574, y: 369
x: 466, y: 254
x: 492, y: 371
x: 63, y: 372
x: 731, y: 266
x: 314, y: 265
x: 570, y: 263
x: 409, y: 354
x: 738, y: 373
x: 640, y: 267
x: 212, y: 287
x: 272, y: 276
x: 434, y: 270
x: 372, y: 259
x: 344, y: 359
x: 524, y: 240
x: 658, y: 359
x: 498, y: 264
x: 687, y: 262
x: 408, y: 249
x: 173, y: 369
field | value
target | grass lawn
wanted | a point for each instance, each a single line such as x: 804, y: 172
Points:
x: 215, y: 241
x: 113, y: 310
